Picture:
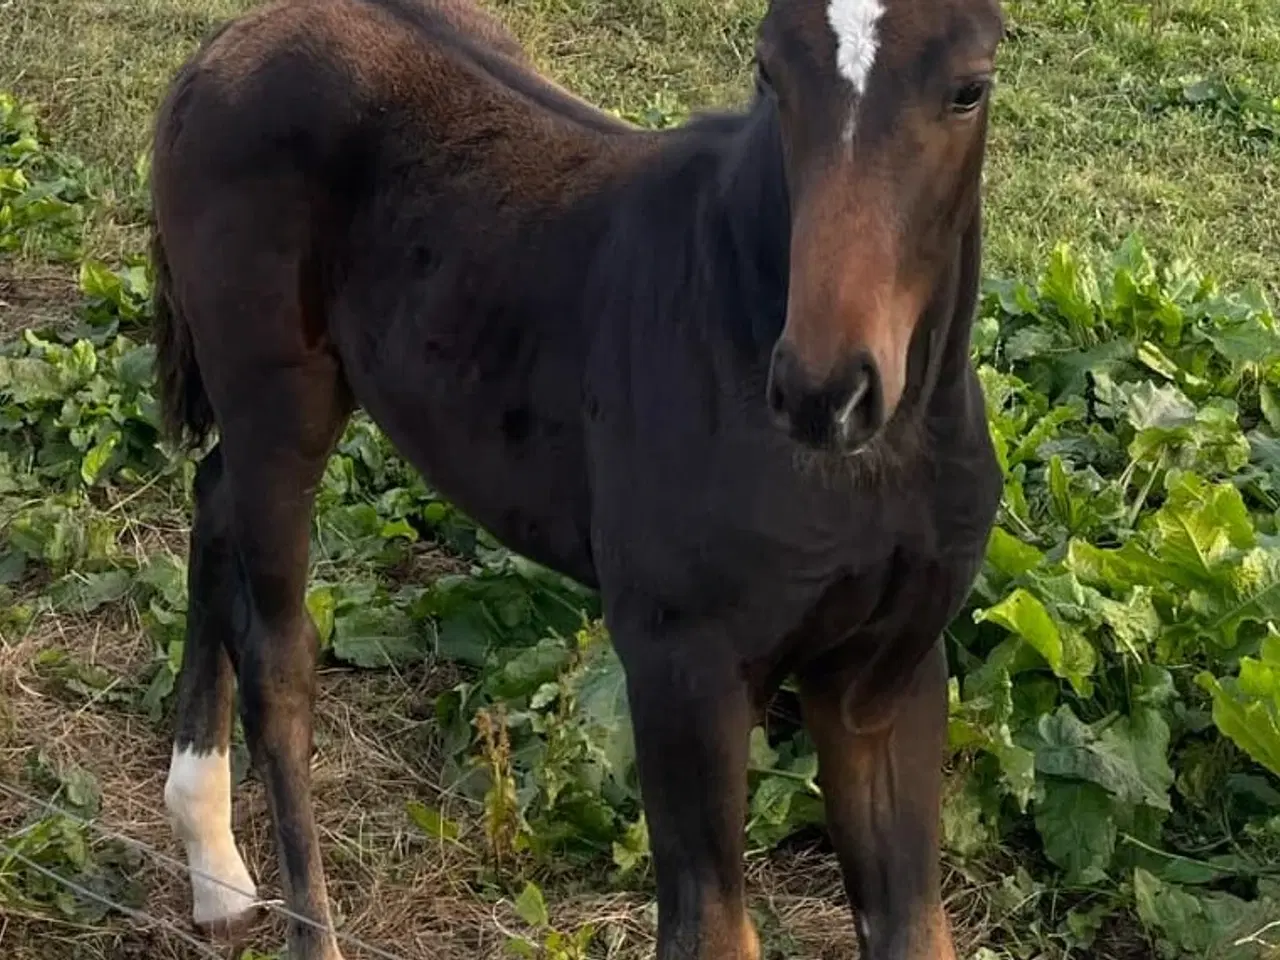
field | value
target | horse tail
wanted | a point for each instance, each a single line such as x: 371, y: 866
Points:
x: 185, y: 413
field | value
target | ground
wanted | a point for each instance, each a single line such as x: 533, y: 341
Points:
x: 1103, y: 124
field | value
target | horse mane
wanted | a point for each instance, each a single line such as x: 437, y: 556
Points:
x: 711, y: 205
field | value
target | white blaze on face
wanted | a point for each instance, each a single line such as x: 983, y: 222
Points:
x: 854, y: 22
x: 198, y: 797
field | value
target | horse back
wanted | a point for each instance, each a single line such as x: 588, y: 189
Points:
x: 307, y: 72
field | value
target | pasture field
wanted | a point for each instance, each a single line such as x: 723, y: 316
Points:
x: 1114, y: 766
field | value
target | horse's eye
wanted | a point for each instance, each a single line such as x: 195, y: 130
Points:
x: 968, y: 96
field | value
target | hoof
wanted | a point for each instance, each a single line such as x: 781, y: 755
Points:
x: 230, y: 930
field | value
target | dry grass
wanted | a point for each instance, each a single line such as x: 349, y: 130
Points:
x: 34, y: 296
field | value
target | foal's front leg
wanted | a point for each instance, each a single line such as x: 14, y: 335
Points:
x: 880, y: 769
x: 691, y: 712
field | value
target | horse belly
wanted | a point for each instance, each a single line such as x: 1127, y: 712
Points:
x: 501, y: 442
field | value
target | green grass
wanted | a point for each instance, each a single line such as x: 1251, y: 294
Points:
x: 1079, y: 147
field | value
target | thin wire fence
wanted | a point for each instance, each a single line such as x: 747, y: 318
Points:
x: 174, y: 865
x: 140, y: 915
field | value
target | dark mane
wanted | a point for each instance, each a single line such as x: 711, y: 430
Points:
x: 700, y: 234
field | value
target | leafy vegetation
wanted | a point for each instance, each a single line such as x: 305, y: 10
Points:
x: 40, y: 191
x: 1115, y: 691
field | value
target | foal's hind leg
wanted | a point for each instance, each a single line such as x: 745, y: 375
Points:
x: 198, y: 790
x: 278, y: 429
x: 881, y: 776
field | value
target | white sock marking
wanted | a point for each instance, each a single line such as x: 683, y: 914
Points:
x: 854, y: 22
x: 198, y: 797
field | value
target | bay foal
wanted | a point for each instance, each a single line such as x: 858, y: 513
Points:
x: 720, y: 374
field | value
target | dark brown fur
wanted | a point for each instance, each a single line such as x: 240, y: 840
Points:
x: 720, y: 374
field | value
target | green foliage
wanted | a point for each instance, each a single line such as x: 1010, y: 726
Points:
x: 73, y: 415
x: 69, y: 850
x: 531, y: 907
x: 1247, y: 708
x: 1135, y: 568
x: 41, y: 192
x: 1213, y: 924
x: 115, y: 297
x: 1255, y: 115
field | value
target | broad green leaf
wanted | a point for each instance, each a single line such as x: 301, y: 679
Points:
x: 964, y: 831
x: 531, y: 906
x: 1117, y: 569
x: 1199, y: 528
x: 1077, y: 827
x: 98, y: 457
x: 158, y: 691
x: 1202, y: 924
x: 981, y: 721
x: 1247, y: 708
x: 1134, y: 622
x: 1026, y: 617
x: 167, y: 576
x: 1244, y: 342
x: 1127, y: 759
x: 1011, y: 556
x: 135, y: 367
x: 760, y: 755
x: 1255, y: 584
x: 528, y: 669
x: 1012, y: 296
x: 321, y: 605
x: 1071, y: 286
x: 13, y: 564
x: 373, y: 637
x: 1160, y: 407
x: 398, y: 528
x: 1141, y: 741
x: 97, y: 280
x: 1269, y: 399
x: 1079, y: 660
x: 601, y: 695
x: 84, y: 593
x: 771, y: 800
x: 1031, y: 342
x: 632, y: 849
x: 27, y: 382
x: 430, y: 821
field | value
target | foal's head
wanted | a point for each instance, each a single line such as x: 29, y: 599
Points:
x: 882, y: 106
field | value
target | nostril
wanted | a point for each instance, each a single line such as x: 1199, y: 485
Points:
x: 780, y: 369
x: 860, y: 413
